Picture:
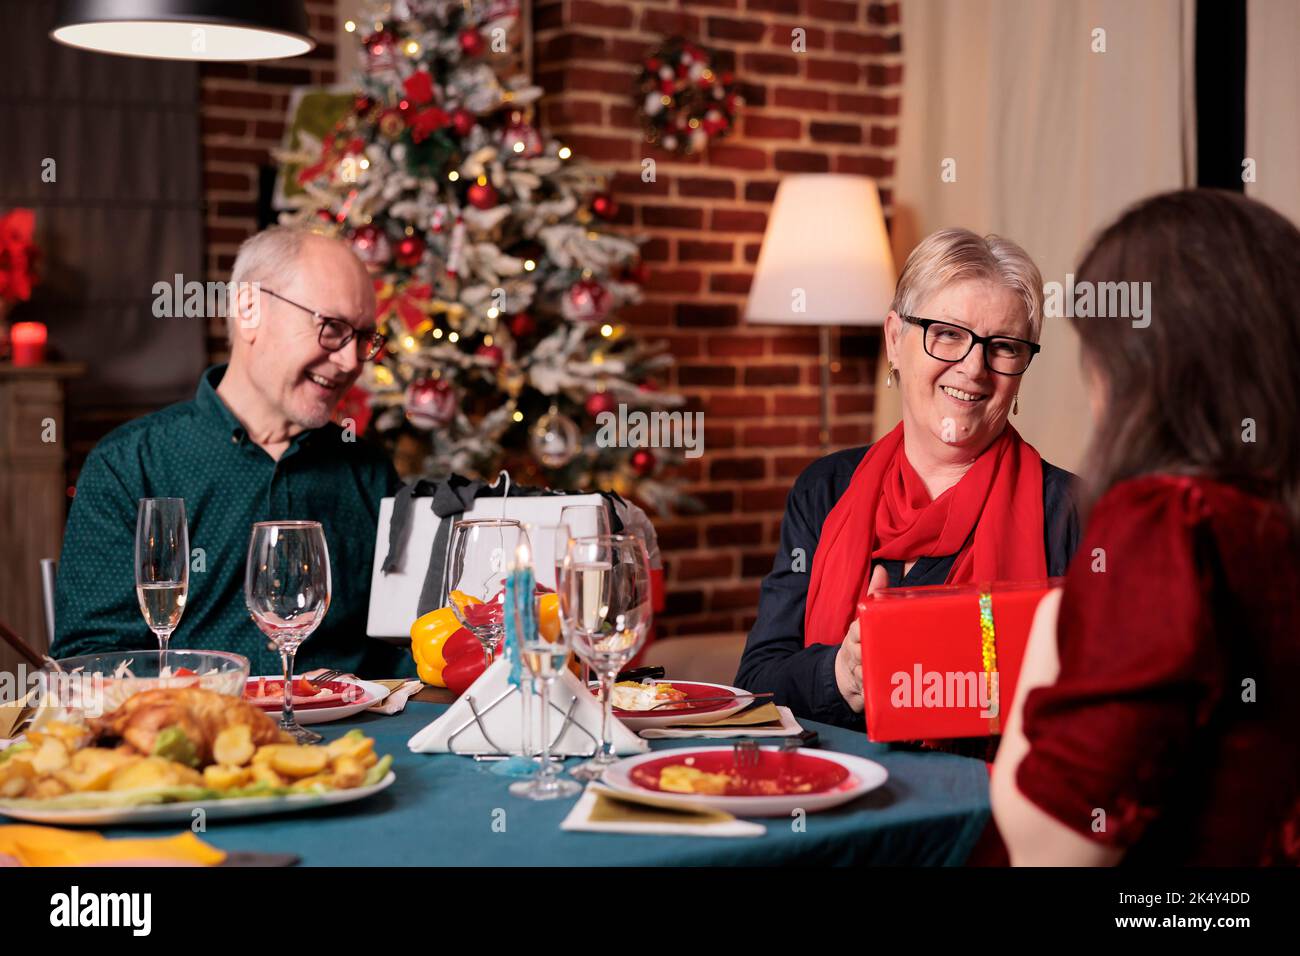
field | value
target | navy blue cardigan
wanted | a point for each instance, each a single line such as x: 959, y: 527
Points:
x: 803, y: 678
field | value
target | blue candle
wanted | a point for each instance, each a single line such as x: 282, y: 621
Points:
x: 520, y: 610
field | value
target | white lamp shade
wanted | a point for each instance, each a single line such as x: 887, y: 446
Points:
x: 825, y: 258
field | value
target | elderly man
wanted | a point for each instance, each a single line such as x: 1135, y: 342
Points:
x: 255, y: 444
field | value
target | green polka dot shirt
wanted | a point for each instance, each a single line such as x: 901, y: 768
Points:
x: 198, y: 451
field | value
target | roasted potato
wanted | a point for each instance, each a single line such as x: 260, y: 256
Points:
x: 348, y: 772
x: 298, y: 762
x: 150, y: 773
x: 51, y: 755
x: 93, y: 768
x: 234, y: 746
x: 15, y: 775
x: 351, y: 746
x: 262, y: 773
x: 220, y: 777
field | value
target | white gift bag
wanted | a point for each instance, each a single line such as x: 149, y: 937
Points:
x: 395, y: 596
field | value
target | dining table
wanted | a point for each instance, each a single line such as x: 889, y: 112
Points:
x: 446, y: 809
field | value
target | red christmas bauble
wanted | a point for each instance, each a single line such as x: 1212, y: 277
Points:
x: 599, y: 402
x: 522, y: 325
x: 643, y: 462
x: 604, y: 205
x: 371, y: 245
x: 463, y: 121
x: 492, y: 353
x: 586, y: 301
x: 430, y: 403
x: 482, y: 195
x: 471, y: 42
x: 362, y: 104
x: 410, y: 250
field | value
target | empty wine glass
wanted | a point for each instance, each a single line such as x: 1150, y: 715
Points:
x: 476, y: 568
x: 162, y: 564
x: 606, y: 610
x: 287, y: 590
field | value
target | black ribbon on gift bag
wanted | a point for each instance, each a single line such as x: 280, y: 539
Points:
x: 448, y: 498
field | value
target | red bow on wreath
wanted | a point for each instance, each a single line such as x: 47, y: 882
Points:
x: 18, y: 255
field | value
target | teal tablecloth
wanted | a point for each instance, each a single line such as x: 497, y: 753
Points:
x: 441, y: 810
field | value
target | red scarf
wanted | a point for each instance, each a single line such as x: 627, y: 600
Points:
x: 992, y: 520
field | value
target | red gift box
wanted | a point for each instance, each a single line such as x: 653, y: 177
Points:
x: 933, y: 668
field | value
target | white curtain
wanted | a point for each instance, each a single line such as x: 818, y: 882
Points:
x: 1050, y: 141
x: 1272, y: 115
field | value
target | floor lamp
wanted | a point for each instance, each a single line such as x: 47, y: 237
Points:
x: 825, y: 261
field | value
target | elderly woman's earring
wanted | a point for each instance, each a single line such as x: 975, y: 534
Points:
x: 1015, y: 404
x: 891, y: 377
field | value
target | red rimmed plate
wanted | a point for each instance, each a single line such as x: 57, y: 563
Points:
x: 781, y: 782
x: 333, y: 700
x: 686, y: 711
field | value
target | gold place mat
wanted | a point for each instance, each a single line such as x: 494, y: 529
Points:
x: 613, y: 807
x: 765, y: 713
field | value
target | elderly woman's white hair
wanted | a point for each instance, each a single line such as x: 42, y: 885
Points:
x: 956, y: 255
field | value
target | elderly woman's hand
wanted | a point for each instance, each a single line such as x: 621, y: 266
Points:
x: 848, y: 660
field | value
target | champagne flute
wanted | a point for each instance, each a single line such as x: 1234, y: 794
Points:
x: 582, y: 520
x: 545, y: 651
x: 606, y: 608
x: 477, y: 567
x: 287, y: 590
x: 162, y: 564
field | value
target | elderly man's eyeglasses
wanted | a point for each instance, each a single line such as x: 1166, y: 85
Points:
x: 336, y: 333
x: 952, y: 343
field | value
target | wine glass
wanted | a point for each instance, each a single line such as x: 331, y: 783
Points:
x: 605, y: 607
x: 584, y: 520
x: 476, y: 567
x: 162, y: 564
x: 545, y: 652
x: 287, y: 590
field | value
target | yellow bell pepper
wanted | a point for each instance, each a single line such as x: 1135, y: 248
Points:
x: 428, y: 635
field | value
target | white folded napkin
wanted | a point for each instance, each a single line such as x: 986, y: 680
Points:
x: 657, y: 817
x: 789, y: 728
x: 504, y: 722
x: 399, y: 693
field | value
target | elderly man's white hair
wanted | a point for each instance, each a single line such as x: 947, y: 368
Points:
x: 265, y: 257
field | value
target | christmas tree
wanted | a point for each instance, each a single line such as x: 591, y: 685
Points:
x: 497, y: 279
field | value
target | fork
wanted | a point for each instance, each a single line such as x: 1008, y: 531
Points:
x: 324, y: 677
x: 745, y: 754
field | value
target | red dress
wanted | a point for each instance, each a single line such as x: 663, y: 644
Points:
x: 1173, y: 729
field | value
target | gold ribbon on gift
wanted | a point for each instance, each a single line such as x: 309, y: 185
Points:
x: 989, y: 656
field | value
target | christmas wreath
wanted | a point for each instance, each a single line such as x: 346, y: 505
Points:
x: 685, y: 102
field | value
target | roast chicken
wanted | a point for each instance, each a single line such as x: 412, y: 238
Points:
x: 199, y: 714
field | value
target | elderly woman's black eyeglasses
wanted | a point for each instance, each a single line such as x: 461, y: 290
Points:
x: 336, y: 333
x: 952, y: 343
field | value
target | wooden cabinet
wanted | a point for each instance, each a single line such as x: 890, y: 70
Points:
x: 33, y: 492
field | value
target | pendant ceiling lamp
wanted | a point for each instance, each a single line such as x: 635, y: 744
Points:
x: 185, y: 29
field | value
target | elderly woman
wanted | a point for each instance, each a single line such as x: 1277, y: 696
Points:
x: 952, y: 495
x: 1156, y: 712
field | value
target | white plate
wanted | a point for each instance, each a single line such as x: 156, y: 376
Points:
x: 864, y: 776
x: 660, y: 719
x: 323, y: 715
x: 184, y: 812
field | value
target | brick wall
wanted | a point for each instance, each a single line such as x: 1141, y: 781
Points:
x: 832, y: 108
x: 243, y: 112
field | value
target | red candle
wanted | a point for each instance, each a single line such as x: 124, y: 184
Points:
x: 28, y: 342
